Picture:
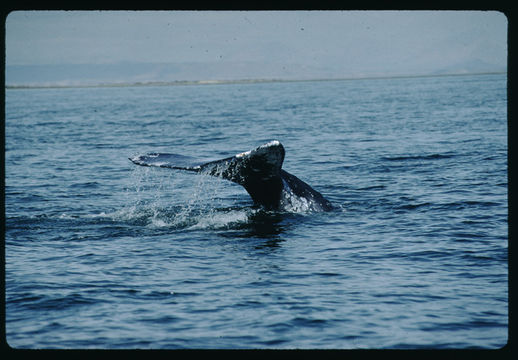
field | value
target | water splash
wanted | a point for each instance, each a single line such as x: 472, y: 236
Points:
x: 158, y: 199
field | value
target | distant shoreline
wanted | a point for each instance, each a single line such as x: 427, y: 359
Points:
x: 240, y: 81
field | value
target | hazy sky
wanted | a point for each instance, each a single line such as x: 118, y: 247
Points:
x: 354, y: 40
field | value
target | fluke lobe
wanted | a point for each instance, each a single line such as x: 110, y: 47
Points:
x: 258, y: 171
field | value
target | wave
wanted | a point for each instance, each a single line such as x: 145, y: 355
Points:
x: 418, y: 157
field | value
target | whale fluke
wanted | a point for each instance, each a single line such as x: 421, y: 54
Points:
x: 259, y: 171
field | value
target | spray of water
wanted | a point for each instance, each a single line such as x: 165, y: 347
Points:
x: 159, y: 199
x: 165, y: 199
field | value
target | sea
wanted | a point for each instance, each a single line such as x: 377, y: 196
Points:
x: 103, y: 254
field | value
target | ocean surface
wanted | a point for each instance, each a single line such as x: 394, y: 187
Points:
x: 103, y: 254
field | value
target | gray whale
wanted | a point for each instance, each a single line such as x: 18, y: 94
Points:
x: 258, y: 171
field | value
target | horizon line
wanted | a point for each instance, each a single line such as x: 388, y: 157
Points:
x: 236, y: 81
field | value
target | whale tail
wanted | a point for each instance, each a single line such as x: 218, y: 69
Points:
x: 258, y: 171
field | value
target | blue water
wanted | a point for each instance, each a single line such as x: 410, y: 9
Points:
x: 101, y: 253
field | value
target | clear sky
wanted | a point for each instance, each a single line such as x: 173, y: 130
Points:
x: 352, y: 40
